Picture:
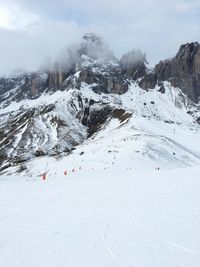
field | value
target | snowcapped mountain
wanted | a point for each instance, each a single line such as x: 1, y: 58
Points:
x: 92, y: 107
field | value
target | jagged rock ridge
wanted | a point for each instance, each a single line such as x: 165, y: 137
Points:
x: 183, y: 71
x: 56, y: 127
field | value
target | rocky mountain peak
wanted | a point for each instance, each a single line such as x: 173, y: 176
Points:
x: 92, y: 38
x: 94, y: 47
x: 182, y: 71
x: 188, y: 48
x: 133, y: 64
x: 66, y: 110
x: 188, y: 58
x: 96, y: 65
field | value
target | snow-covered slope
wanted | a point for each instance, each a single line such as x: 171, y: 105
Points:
x: 40, y: 127
x: 142, y: 130
x: 89, y: 107
x: 101, y: 218
x: 101, y: 162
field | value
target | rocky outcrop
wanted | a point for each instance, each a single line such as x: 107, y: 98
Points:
x: 92, y: 59
x: 113, y: 82
x: 93, y: 63
x: 25, y: 86
x: 51, y: 129
x: 99, y: 67
x: 56, y: 127
x: 182, y: 71
x: 133, y: 64
x: 148, y: 81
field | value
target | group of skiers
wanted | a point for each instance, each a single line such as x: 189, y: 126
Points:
x: 66, y: 172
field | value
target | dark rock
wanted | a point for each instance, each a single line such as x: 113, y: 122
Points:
x: 198, y: 120
x: 133, y: 64
x: 121, y: 114
x: 107, y: 81
x: 169, y: 121
x: 162, y: 88
x: 148, y: 81
x: 39, y: 153
x: 94, y: 119
x: 182, y: 71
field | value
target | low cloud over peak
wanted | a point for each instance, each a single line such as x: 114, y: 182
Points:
x: 33, y: 30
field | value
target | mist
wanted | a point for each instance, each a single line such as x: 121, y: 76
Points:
x: 31, y: 31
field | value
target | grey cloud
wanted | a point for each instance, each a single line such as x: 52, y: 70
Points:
x: 156, y: 27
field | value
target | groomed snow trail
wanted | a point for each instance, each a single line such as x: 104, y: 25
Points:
x: 101, y: 218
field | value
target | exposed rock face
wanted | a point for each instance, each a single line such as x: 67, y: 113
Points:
x: 25, y: 86
x: 105, y: 78
x: 133, y: 64
x: 93, y: 60
x: 182, y: 71
x: 149, y: 81
x: 54, y: 128
x: 99, y: 67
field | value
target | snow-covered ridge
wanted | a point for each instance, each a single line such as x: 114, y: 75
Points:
x: 74, y: 102
x: 149, y: 129
x: 109, y: 172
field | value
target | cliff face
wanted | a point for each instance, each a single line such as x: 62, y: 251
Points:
x: 51, y: 111
x: 92, y: 59
x: 97, y: 66
x: 25, y: 86
x: 133, y: 64
x: 182, y: 71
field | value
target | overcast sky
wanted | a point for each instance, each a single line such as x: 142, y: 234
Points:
x: 31, y: 30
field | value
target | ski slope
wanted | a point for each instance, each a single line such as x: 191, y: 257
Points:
x: 101, y: 218
x: 121, y: 171
x: 114, y: 207
x: 159, y: 133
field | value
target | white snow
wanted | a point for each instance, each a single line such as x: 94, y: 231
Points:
x: 44, y: 99
x: 101, y: 218
x: 160, y: 132
x: 114, y: 208
x: 143, y: 142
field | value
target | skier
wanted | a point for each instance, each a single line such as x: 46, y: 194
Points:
x: 44, y: 176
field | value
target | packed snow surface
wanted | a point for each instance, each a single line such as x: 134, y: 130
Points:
x: 101, y: 218
x: 130, y: 196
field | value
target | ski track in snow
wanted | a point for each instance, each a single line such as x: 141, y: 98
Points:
x: 113, y: 255
x: 93, y: 219
x: 116, y: 210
